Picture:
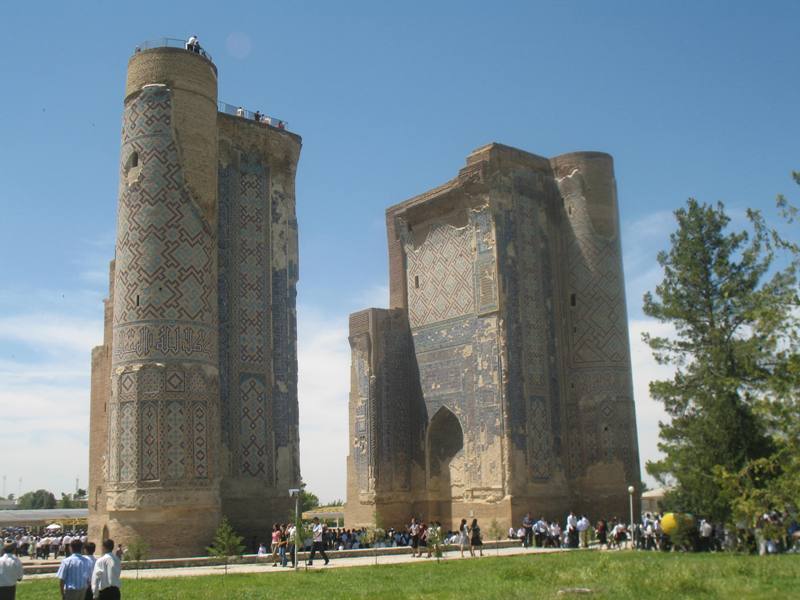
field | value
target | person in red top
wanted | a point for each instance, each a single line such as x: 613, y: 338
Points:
x: 276, y: 541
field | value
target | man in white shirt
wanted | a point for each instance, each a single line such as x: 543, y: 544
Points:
x: 106, y: 574
x: 10, y: 573
x: 583, y: 531
x: 318, y: 529
x: 572, y: 530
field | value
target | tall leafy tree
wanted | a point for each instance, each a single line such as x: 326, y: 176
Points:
x: 773, y: 483
x: 730, y: 306
x: 36, y: 500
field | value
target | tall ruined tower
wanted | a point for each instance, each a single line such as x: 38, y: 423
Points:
x: 499, y: 380
x: 194, y: 401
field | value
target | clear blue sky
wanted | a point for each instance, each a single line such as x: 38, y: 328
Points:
x: 691, y: 98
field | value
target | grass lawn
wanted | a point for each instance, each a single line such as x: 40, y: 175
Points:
x: 616, y: 575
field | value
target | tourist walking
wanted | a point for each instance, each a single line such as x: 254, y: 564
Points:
x: 475, y: 539
x: 276, y: 540
x: 463, y: 538
x: 602, y: 532
x: 527, y: 527
x: 414, y: 532
x: 88, y: 552
x: 106, y: 575
x: 10, y: 573
x: 317, y: 530
x: 75, y: 573
x: 540, y: 530
x: 572, y: 530
x: 283, y: 542
x: 583, y: 531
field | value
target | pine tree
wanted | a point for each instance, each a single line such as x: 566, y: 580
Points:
x: 772, y: 483
x: 730, y: 308
x: 226, y: 543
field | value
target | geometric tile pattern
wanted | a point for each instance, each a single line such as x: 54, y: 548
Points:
x: 601, y: 409
x: 442, y: 265
x: 253, y: 434
x: 199, y: 424
x: 165, y: 255
x: 175, y: 422
x: 148, y: 443
x: 164, y: 311
x: 599, y: 322
x: 165, y: 290
x: 485, y: 267
x: 539, y: 438
x: 536, y: 400
x: 245, y: 273
x: 127, y: 441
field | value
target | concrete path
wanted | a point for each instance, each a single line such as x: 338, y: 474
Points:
x: 337, y: 563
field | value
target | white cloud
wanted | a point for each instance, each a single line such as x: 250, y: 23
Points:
x: 44, y: 399
x: 645, y: 369
x: 52, y: 333
x: 641, y: 241
x: 323, y: 389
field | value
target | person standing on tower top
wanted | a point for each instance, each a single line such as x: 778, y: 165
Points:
x: 192, y: 44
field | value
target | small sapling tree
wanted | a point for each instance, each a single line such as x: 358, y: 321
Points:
x: 137, y: 552
x: 496, y: 534
x: 226, y: 543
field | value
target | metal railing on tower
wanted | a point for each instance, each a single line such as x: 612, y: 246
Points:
x: 239, y: 111
x: 166, y: 42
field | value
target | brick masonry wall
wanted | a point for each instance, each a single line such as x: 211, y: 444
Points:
x: 484, y: 267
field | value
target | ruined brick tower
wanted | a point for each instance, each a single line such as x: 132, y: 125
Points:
x: 194, y: 390
x: 499, y: 381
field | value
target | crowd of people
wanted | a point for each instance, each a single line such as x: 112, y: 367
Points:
x: 577, y: 531
x: 43, y: 546
x: 81, y: 575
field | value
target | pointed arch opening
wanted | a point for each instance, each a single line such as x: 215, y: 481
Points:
x: 445, y: 462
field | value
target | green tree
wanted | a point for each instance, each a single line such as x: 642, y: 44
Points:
x: 495, y: 533
x: 226, y: 543
x: 308, y: 501
x: 730, y: 308
x: 36, y: 500
x: 66, y: 501
x: 771, y: 483
x: 137, y: 551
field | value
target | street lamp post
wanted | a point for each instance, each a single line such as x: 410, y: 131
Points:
x: 296, y: 493
x: 631, y: 489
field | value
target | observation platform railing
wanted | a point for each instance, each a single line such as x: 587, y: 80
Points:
x: 238, y: 111
x: 166, y: 42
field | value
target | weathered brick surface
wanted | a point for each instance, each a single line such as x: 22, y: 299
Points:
x: 508, y: 282
x: 194, y: 391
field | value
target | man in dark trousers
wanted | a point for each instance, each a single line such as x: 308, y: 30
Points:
x: 106, y: 575
x: 317, y: 546
x: 10, y: 573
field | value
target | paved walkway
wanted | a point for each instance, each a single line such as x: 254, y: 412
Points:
x: 337, y: 563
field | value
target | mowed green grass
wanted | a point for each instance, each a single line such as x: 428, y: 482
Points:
x: 617, y: 575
